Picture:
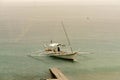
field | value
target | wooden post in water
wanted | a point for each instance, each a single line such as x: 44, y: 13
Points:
x: 58, y: 74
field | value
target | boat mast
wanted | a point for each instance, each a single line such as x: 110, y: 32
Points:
x: 68, y: 40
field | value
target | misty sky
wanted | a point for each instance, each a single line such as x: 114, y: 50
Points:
x: 79, y: 2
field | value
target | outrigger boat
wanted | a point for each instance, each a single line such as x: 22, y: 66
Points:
x: 54, y: 50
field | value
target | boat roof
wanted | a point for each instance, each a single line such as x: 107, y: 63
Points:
x: 54, y: 44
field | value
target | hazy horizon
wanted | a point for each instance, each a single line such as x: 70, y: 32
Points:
x: 62, y: 2
x: 23, y: 20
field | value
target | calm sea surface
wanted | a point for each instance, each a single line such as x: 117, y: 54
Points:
x: 96, y: 29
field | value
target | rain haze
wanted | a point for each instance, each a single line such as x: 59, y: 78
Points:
x: 92, y: 26
x: 79, y: 2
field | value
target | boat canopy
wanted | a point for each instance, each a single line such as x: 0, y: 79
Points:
x: 54, y: 44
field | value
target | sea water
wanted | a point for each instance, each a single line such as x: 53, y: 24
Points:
x: 93, y: 29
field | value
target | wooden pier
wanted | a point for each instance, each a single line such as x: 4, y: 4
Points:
x: 58, y: 75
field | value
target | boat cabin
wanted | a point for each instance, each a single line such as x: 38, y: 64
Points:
x: 56, y: 47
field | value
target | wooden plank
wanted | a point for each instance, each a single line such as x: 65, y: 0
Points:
x: 58, y: 74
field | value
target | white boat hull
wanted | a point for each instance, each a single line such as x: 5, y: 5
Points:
x: 70, y: 56
x: 61, y: 54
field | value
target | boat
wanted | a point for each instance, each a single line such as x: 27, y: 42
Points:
x: 54, y: 50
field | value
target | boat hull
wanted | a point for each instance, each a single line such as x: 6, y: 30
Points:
x: 67, y: 56
x: 64, y: 56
